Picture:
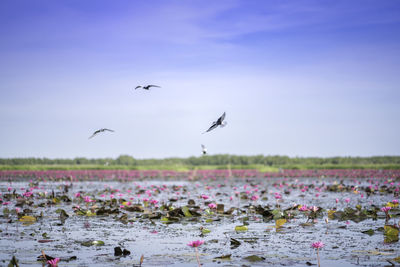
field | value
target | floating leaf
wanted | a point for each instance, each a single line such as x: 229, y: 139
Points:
x: 13, y: 262
x: 27, y: 220
x: 223, y: 257
x: 92, y: 243
x: 205, y: 231
x: 391, y: 233
x: 280, y: 222
x: 254, y: 258
x: 241, y: 228
x: 392, y: 205
x: 186, y: 211
x: 330, y: 214
x: 368, y: 232
x: 391, y: 230
x: 235, y: 243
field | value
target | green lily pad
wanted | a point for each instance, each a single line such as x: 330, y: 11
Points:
x: 241, y: 228
x: 368, y: 232
x: 92, y: 243
x: 205, y: 231
x: 186, y: 211
x: 254, y: 258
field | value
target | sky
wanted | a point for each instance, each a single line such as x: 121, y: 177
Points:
x: 296, y: 78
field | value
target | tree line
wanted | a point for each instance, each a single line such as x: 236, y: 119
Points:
x: 221, y: 159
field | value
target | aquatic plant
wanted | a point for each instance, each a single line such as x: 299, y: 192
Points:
x: 318, y: 245
x: 196, y: 244
x: 53, y: 262
x: 386, y: 211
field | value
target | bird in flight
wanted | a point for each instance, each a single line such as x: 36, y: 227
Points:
x: 99, y: 131
x: 147, y: 87
x: 204, y: 149
x: 219, y: 122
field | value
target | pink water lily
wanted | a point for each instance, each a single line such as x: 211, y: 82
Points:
x: 318, y: 245
x: 212, y: 206
x: 196, y: 243
x: 53, y: 262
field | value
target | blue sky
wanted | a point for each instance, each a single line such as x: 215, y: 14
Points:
x: 296, y: 78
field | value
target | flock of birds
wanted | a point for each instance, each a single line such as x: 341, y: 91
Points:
x: 219, y: 122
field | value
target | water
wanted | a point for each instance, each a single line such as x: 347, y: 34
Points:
x: 166, y: 244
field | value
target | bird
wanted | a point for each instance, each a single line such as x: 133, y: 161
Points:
x: 204, y: 149
x: 99, y: 131
x: 147, y: 87
x: 219, y: 122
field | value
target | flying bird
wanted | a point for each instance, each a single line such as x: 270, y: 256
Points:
x: 99, y: 131
x: 219, y: 122
x: 204, y: 149
x: 147, y: 87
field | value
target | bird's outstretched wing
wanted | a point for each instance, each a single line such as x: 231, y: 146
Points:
x: 152, y: 85
x: 220, y: 119
x: 99, y: 131
x: 213, y: 126
x: 138, y: 87
x: 96, y: 132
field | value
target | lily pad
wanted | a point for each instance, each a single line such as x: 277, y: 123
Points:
x: 27, y: 220
x: 241, y: 228
x: 92, y: 243
x: 254, y: 258
x: 368, y: 232
x: 280, y: 222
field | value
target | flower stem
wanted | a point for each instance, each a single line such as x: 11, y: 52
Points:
x: 319, y: 265
x: 197, y: 256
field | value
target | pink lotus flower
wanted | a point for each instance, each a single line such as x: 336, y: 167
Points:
x: 53, y: 262
x: 255, y: 197
x: 395, y: 201
x: 212, y: 206
x: 196, y: 243
x: 347, y: 200
x: 317, y: 245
